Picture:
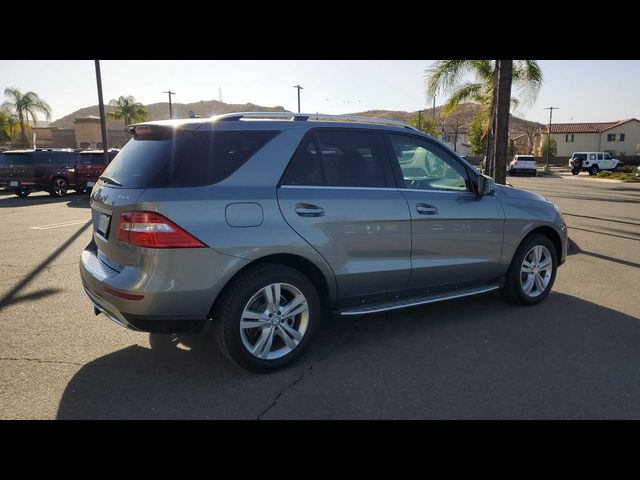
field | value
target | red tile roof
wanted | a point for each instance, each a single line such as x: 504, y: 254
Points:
x: 597, y: 127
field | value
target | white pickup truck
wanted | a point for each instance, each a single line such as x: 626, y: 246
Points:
x: 523, y: 164
x: 592, y: 162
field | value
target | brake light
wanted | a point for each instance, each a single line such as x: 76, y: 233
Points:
x: 152, y: 230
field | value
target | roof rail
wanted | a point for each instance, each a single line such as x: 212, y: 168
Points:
x: 302, y: 117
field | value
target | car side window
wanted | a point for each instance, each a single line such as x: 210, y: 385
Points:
x: 340, y: 158
x: 600, y: 156
x: 607, y: 156
x: 426, y: 166
x: 592, y: 156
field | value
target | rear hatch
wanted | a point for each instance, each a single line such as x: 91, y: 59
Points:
x: 170, y: 163
x: 525, y: 162
x: 16, y: 168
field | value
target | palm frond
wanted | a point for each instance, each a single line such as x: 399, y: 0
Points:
x: 444, y: 75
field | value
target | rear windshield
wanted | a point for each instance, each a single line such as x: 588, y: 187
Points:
x: 94, y: 158
x: 581, y: 156
x: 18, y: 159
x: 525, y: 159
x: 188, y: 159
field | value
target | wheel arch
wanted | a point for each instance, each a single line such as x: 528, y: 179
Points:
x: 326, y: 290
x: 548, y: 232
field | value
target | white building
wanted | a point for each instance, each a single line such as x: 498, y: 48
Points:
x: 620, y: 137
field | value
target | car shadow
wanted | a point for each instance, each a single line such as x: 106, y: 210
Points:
x: 72, y: 199
x: 473, y: 358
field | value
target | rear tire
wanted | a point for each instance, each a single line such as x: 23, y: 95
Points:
x: 251, y: 331
x: 575, y: 172
x: 593, y: 170
x: 23, y: 192
x: 522, y: 287
x: 60, y: 187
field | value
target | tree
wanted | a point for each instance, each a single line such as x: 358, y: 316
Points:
x: 450, y: 77
x: 545, y: 145
x: 477, y: 137
x: 424, y: 124
x: 127, y: 109
x: 502, y: 93
x: 25, y: 104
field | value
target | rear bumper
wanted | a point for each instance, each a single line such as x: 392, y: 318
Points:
x: 172, y: 302
x: 523, y: 171
x: 141, y: 323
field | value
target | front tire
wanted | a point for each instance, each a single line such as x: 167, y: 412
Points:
x: 267, y: 317
x: 60, y: 187
x: 532, y: 271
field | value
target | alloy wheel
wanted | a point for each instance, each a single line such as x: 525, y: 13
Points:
x: 274, y: 321
x: 536, y: 271
x: 60, y: 187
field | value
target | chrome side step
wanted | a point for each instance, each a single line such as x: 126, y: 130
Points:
x: 412, y: 302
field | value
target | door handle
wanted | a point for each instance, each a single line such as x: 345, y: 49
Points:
x: 426, y: 209
x: 309, y: 210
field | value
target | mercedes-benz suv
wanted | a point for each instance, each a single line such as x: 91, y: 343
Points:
x: 259, y: 224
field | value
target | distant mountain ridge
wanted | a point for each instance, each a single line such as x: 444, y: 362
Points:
x: 160, y: 111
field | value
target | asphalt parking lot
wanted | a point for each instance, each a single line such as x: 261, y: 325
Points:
x: 576, y: 355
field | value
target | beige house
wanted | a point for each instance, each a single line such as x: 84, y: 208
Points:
x: 86, y: 133
x: 620, y: 137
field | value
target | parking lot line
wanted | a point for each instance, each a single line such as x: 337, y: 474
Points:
x: 59, y: 225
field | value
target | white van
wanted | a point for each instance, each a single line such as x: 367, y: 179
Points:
x: 592, y: 162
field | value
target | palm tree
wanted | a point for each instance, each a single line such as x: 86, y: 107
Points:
x: 127, y: 109
x: 25, y: 104
x: 452, y: 77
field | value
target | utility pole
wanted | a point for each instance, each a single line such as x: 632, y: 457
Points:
x: 551, y: 109
x: 299, y: 88
x: 170, y: 109
x: 103, y: 122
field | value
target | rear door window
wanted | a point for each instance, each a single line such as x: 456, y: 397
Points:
x: 184, y: 158
x: 340, y: 158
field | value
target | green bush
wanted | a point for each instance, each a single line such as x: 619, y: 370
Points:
x: 617, y: 175
x: 627, y: 169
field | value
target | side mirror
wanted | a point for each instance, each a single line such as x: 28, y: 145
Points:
x: 486, y: 185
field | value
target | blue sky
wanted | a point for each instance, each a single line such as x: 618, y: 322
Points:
x: 583, y: 90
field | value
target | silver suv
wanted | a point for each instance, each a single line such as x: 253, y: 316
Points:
x: 261, y: 223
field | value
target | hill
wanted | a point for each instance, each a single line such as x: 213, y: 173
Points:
x: 160, y: 111
x: 465, y: 114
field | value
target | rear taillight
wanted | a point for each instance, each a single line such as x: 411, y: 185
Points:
x: 152, y: 230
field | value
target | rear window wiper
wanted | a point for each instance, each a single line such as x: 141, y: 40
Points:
x: 110, y: 181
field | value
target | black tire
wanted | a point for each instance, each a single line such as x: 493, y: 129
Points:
x: 575, y: 171
x: 23, y: 192
x: 512, y: 289
x: 593, y: 170
x: 229, y: 307
x: 59, y: 187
